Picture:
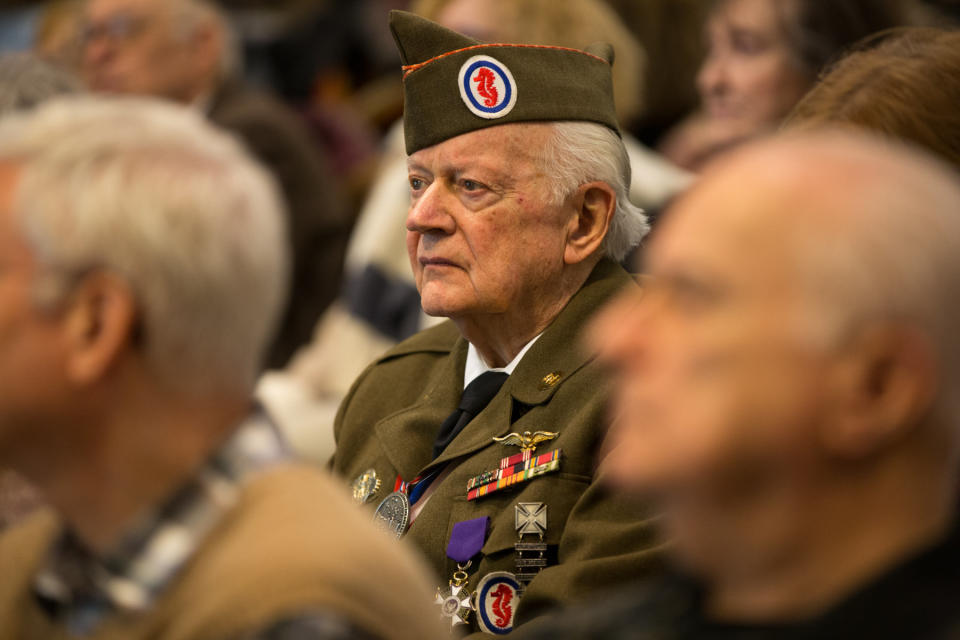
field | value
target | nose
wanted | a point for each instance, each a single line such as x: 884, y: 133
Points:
x: 96, y: 49
x: 711, y: 78
x: 430, y: 213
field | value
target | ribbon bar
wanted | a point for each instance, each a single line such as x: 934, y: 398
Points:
x: 485, y: 483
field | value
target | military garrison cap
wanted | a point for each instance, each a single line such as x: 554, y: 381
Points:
x: 453, y: 84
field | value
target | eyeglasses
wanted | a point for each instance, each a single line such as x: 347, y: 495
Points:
x: 116, y: 29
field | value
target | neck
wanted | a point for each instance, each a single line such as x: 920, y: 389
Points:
x: 836, y: 544
x: 499, y: 337
x: 130, y: 460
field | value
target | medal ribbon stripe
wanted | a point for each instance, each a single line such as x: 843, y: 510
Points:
x: 512, y: 460
x: 510, y: 466
x: 516, y: 474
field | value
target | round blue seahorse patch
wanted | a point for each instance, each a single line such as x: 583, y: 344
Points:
x: 487, y: 87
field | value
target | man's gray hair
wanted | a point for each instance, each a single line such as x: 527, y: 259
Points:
x: 581, y: 152
x: 153, y: 193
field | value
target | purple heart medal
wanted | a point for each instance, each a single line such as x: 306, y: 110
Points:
x: 466, y: 540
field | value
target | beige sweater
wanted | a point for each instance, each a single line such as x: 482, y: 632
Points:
x: 293, y: 544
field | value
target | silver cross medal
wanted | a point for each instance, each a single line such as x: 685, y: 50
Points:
x: 530, y: 519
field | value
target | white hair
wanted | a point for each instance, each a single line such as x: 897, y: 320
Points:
x: 151, y: 192
x: 581, y: 152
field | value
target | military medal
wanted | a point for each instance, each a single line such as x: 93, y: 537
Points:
x: 513, y: 470
x: 466, y: 540
x: 495, y: 602
x: 454, y: 600
x: 393, y: 514
x: 530, y: 518
x: 516, y: 468
x: 526, y: 441
x: 365, y: 486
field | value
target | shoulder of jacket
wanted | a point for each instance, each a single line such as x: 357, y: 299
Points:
x: 439, y: 339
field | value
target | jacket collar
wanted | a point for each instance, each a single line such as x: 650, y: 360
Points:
x: 551, y: 361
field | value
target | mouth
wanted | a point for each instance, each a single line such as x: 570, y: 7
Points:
x: 436, y: 262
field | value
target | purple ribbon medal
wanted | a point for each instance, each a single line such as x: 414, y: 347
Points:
x: 466, y: 541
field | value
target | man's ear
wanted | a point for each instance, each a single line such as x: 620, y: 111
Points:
x: 885, y: 387
x: 594, y: 204
x: 209, y: 45
x: 100, y: 321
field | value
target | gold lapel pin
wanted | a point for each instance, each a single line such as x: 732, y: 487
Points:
x: 551, y: 379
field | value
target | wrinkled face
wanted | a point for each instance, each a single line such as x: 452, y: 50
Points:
x: 749, y: 79
x: 29, y: 337
x: 482, y: 235
x: 719, y: 383
x: 134, y: 47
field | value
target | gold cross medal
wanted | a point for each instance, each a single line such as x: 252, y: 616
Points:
x: 519, y: 467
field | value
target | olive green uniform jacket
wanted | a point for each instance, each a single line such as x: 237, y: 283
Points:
x: 389, y: 420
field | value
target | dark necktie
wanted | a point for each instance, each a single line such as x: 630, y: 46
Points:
x: 476, y: 396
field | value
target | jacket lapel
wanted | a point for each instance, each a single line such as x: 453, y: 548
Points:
x: 555, y: 357
x: 407, y: 435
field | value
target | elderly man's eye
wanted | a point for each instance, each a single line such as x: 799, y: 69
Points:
x: 416, y: 184
x: 471, y: 185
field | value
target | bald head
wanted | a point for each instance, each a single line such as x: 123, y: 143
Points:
x: 869, y: 229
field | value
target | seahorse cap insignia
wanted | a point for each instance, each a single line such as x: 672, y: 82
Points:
x: 487, y: 87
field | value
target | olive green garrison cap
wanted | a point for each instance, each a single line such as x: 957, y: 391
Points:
x: 453, y: 84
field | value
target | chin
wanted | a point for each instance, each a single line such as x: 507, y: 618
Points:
x: 438, y: 302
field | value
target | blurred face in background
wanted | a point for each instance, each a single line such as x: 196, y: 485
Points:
x: 750, y: 79
x: 480, y: 19
x: 139, y: 47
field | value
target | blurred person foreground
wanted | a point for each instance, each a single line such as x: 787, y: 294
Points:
x: 477, y: 440
x: 786, y: 390
x: 26, y: 81
x: 185, y: 51
x: 135, y: 318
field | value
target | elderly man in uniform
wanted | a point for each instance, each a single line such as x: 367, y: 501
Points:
x: 184, y: 51
x: 477, y: 440
x: 142, y: 266
x: 788, y: 388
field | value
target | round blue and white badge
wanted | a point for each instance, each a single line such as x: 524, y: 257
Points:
x: 496, y: 602
x: 487, y: 87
